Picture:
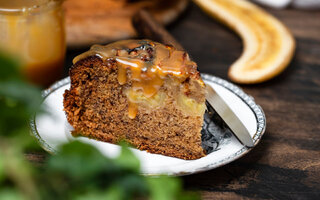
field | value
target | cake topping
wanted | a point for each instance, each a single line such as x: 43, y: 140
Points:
x: 148, y: 63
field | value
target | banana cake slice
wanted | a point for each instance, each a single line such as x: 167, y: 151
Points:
x: 143, y: 92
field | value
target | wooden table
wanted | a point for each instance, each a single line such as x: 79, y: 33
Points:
x: 286, y: 163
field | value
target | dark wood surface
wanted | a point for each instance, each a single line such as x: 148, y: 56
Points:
x: 286, y: 163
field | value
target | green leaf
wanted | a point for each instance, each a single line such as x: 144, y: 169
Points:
x: 1, y: 168
x: 10, y: 194
x: 77, y: 160
x: 164, y: 188
x: 80, y: 167
x: 18, y: 99
x: 113, y: 192
x: 17, y: 92
x: 127, y: 159
x: 169, y: 188
x: 9, y: 67
x: 132, y: 184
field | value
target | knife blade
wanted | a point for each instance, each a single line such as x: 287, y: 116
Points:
x: 228, y: 116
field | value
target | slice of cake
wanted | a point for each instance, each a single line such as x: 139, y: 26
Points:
x: 148, y: 94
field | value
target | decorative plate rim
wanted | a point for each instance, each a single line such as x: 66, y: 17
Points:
x: 249, y: 100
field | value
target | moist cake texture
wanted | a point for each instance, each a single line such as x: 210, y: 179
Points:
x: 148, y: 94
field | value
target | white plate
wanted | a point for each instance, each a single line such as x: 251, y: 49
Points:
x: 51, y: 130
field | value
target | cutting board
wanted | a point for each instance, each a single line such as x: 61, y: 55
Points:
x: 95, y: 21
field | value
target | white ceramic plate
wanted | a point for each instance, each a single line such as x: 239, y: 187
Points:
x: 51, y: 130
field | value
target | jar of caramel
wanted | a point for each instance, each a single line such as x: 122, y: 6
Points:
x: 33, y: 32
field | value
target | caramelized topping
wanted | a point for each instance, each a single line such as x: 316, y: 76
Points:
x: 148, y: 63
x: 132, y: 110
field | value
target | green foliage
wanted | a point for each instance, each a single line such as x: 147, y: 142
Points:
x: 162, y: 188
x: 1, y: 168
x: 9, y: 68
x: 18, y: 101
x: 169, y: 188
x: 79, y: 171
x: 10, y: 194
x: 127, y: 159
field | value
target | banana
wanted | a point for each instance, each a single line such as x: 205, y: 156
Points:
x: 268, y: 44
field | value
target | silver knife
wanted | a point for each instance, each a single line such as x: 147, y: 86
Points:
x: 228, y: 116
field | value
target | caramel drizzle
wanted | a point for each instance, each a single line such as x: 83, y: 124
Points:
x: 132, y: 110
x: 149, y: 63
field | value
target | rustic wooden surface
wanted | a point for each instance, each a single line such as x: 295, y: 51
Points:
x: 286, y: 163
x: 96, y: 21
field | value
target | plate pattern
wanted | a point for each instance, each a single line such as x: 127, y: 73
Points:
x: 249, y: 100
x: 259, y: 114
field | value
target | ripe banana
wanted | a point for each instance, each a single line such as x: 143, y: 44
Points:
x: 268, y: 44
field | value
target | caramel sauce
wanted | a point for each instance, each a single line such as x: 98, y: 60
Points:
x: 132, y: 110
x: 44, y: 73
x: 149, y: 64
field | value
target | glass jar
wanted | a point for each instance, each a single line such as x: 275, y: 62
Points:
x: 33, y: 32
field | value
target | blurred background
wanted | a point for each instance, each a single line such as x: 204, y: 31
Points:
x: 45, y: 35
